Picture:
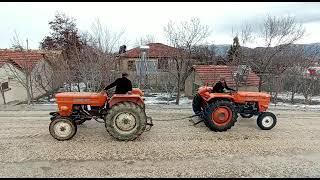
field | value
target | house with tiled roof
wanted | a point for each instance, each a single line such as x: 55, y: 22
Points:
x: 14, y: 67
x: 157, y: 52
x: 157, y: 55
x: 210, y: 74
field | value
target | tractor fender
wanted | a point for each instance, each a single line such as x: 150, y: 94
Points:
x: 219, y: 96
x: 117, y: 98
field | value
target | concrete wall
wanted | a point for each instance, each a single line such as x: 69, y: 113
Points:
x: 17, y: 91
x: 189, y: 85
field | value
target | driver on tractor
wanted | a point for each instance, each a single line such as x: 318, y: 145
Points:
x: 123, y: 85
x: 220, y: 86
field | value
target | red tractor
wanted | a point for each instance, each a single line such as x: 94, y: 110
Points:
x: 123, y: 114
x: 219, y: 111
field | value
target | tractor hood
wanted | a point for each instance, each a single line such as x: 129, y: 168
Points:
x: 94, y: 99
x: 263, y: 99
x: 79, y: 95
x: 253, y: 94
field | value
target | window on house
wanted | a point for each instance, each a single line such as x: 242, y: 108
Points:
x: 131, y: 66
x: 5, y: 86
x: 163, y: 64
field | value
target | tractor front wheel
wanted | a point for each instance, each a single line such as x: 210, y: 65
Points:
x: 62, y: 128
x: 126, y: 121
x: 220, y: 116
x: 266, y: 120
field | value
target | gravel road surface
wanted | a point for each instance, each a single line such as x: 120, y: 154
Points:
x: 170, y: 149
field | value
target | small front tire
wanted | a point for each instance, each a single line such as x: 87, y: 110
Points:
x: 266, y: 120
x: 62, y: 129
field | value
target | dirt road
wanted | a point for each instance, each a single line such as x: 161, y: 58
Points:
x: 170, y: 149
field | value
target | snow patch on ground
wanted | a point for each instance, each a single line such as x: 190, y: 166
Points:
x: 287, y: 96
x: 281, y: 105
x: 163, y: 98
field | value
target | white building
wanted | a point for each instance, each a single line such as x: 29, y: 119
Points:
x: 14, y: 67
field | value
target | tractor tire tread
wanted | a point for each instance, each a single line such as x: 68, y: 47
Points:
x: 208, y: 111
x: 133, y: 108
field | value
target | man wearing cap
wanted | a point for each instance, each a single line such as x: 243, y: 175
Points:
x: 123, y: 85
x: 220, y: 86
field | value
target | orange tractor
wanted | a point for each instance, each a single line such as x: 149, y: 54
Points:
x: 219, y: 111
x: 123, y: 114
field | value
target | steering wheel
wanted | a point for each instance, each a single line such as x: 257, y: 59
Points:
x: 230, y: 91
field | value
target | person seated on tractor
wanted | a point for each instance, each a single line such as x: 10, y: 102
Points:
x: 220, y: 86
x: 123, y: 85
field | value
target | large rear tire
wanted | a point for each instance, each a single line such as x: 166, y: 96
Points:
x: 62, y: 129
x: 220, y: 116
x: 126, y: 121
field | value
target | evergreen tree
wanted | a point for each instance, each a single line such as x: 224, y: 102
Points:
x: 234, y: 51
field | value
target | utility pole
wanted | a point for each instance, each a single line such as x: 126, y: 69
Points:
x: 27, y: 44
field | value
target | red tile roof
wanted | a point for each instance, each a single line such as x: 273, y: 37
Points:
x: 156, y: 50
x: 20, y: 59
x: 210, y: 74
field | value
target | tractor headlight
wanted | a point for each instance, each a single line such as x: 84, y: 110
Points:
x: 64, y: 108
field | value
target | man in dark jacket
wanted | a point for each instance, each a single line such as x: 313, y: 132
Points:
x: 123, y: 85
x: 220, y: 86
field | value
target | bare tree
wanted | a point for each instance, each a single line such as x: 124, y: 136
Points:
x: 96, y: 61
x: 308, y: 86
x: 293, y: 80
x: 184, y: 36
x: 277, y: 35
x: 168, y: 85
x: 204, y: 54
x: 50, y: 75
x: 22, y: 71
x: 149, y: 38
x: 307, y: 83
x: 89, y: 57
x: 104, y: 39
x: 238, y: 54
x: 65, y: 37
x: 95, y: 68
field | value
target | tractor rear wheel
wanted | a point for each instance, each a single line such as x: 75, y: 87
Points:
x: 197, y: 104
x: 126, y: 121
x: 220, y: 116
x: 62, y: 129
x: 266, y: 120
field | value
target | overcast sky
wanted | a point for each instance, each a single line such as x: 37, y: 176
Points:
x: 30, y: 20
